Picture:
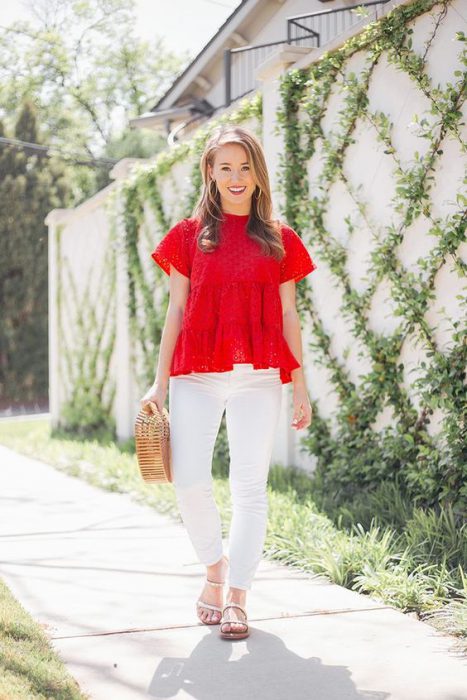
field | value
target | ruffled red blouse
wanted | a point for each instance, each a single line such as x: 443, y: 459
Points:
x: 233, y: 312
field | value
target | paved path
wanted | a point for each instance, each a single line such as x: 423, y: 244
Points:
x: 116, y: 583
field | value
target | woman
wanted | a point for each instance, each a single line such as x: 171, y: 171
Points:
x: 231, y: 338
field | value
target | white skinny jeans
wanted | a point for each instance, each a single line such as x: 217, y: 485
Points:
x: 251, y: 399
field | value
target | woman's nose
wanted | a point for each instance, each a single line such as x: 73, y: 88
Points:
x: 235, y: 177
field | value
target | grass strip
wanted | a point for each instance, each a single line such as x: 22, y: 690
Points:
x: 30, y: 669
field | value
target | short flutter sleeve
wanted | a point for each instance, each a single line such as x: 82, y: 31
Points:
x: 297, y: 262
x: 174, y: 248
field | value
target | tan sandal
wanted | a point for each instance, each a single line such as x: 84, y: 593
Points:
x: 233, y: 634
x: 201, y: 604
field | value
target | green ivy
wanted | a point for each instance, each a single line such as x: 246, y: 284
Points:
x: 355, y: 457
x: 433, y: 471
x: 85, y: 360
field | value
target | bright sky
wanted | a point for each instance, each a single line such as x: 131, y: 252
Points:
x: 184, y: 24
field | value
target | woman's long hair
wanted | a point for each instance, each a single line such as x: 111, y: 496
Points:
x: 261, y: 227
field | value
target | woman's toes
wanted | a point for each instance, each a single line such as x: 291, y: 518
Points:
x: 234, y: 627
x: 209, y: 616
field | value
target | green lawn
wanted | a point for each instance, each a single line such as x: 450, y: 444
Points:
x: 29, y: 667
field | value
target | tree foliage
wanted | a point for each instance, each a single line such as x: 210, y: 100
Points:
x: 87, y: 72
x: 30, y: 186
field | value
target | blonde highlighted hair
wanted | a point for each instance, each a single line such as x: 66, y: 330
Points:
x: 261, y: 226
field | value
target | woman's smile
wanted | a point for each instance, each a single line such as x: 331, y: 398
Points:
x: 237, y: 190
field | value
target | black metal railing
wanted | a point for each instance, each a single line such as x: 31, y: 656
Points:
x: 324, y: 25
x: 310, y: 30
x: 240, y: 65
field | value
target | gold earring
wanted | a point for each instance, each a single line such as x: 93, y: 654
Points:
x: 260, y: 193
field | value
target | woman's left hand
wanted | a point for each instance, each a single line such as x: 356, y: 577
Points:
x: 301, y: 407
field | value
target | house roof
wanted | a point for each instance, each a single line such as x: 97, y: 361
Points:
x: 193, y: 68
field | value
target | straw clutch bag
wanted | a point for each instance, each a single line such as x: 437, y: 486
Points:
x: 152, y: 443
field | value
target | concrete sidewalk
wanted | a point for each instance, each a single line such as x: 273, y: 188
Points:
x: 116, y: 583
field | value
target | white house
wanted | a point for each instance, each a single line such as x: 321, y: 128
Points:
x: 224, y: 70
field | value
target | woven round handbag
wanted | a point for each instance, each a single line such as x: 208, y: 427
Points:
x: 152, y: 443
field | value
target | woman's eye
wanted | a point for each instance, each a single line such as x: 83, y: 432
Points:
x: 245, y: 167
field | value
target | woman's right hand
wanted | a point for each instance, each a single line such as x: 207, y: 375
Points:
x: 157, y: 394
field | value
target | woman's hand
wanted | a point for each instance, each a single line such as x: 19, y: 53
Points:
x: 301, y: 407
x: 156, y: 393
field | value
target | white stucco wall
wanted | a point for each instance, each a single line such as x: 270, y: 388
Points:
x: 371, y: 173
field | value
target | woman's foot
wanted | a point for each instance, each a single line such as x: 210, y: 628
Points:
x: 213, y: 595
x: 236, y: 622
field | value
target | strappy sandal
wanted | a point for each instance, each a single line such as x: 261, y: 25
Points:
x: 201, y: 604
x: 234, y: 634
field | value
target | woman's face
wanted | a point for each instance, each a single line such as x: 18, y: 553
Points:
x: 232, y: 173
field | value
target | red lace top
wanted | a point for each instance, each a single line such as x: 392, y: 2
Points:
x: 233, y: 312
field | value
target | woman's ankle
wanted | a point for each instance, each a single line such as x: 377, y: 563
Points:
x: 236, y: 595
x: 216, y: 569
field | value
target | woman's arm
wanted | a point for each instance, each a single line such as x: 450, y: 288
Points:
x: 292, y: 328
x: 293, y: 335
x: 178, y: 291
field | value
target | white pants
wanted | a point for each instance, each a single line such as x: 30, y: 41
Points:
x: 251, y: 399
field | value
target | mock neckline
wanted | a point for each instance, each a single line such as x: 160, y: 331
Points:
x: 235, y: 217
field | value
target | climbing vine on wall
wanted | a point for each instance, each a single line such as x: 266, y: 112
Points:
x: 357, y: 457
x: 85, y: 365
x: 354, y: 456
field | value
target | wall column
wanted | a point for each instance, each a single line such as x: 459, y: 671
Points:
x: 125, y: 407
x: 54, y: 220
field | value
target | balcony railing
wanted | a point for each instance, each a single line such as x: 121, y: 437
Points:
x: 327, y: 24
x: 240, y: 65
x: 311, y: 30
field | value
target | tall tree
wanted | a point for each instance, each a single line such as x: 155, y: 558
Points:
x: 30, y: 186
x: 88, y: 73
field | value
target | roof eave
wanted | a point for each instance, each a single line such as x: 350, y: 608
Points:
x: 215, y: 43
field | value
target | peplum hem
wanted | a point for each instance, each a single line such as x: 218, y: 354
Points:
x: 218, y: 349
